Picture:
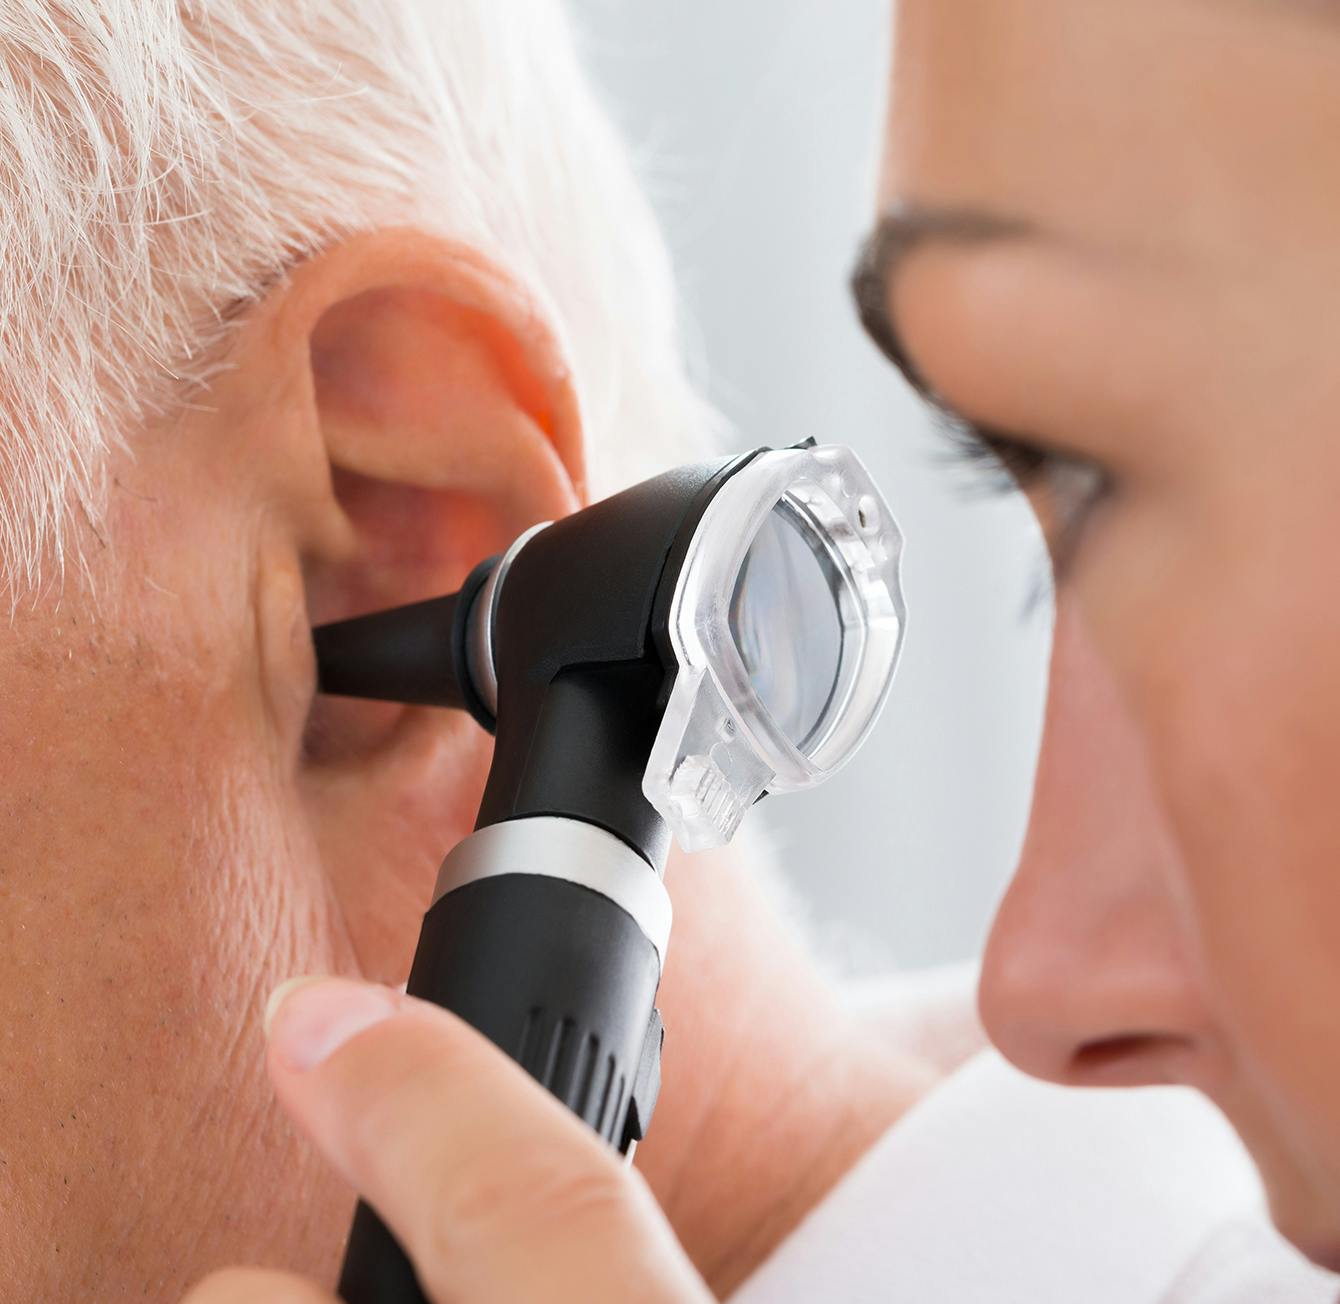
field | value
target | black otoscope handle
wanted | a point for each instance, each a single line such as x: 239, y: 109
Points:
x: 561, y: 978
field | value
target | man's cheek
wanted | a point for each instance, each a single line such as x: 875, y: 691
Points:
x: 155, y: 887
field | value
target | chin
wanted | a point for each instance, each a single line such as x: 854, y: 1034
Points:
x: 1324, y: 1254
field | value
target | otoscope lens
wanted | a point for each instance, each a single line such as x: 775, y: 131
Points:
x: 786, y: 623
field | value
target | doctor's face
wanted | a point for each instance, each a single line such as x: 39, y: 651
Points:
x: 1116, y: 254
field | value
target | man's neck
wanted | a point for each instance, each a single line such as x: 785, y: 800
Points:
x: 771, y: 1091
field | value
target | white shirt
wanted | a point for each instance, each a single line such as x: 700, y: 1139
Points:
x: 1000, y: 1189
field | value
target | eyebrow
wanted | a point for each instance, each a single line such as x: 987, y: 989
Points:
x: 897, y: 233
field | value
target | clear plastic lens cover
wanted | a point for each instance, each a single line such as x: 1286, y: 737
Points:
x: 787, y: 621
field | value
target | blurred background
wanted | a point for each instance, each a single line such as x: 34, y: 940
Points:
x: 756, y: 125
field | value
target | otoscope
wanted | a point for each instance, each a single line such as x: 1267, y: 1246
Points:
x: 651, y: 666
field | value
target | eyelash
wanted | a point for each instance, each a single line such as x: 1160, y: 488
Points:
x: 1073, y: 486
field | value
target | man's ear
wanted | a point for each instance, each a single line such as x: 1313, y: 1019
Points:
x: 433, y: 376
x: 426, y: 418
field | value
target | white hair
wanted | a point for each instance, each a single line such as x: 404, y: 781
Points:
x: 162, y: 161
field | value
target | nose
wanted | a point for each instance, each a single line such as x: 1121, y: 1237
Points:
x: 1089, y: 978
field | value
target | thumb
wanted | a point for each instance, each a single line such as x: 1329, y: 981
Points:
x: 493, y: 1189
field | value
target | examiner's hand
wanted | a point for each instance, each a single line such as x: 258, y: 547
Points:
x: 493, y: 1188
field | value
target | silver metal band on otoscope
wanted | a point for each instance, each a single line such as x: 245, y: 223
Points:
x: 550, y: 846
x: 479, y: 648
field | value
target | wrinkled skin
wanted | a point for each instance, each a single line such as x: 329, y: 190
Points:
x: 1169, y: 316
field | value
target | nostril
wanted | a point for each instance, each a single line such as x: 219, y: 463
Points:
x: 1133, y: 1059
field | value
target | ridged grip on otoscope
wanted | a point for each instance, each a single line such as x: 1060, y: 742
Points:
x: 563, y: 980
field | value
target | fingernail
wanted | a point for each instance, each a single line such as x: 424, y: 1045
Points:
x: 282, y: 993
x: 309, y: 1019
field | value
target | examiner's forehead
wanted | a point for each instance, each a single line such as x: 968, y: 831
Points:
x: 1314, y: 10
x: 1157, y: 126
